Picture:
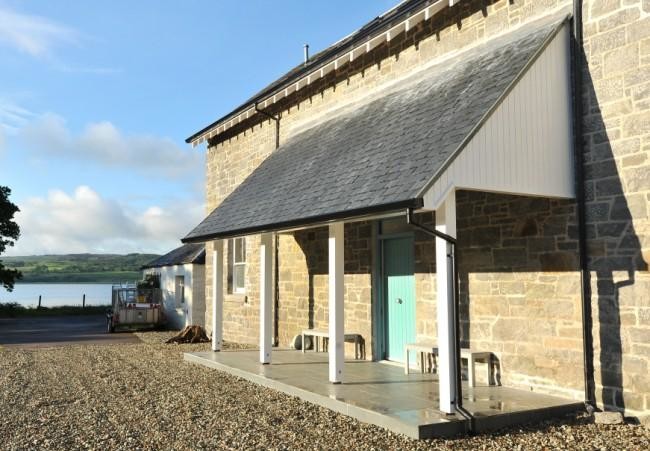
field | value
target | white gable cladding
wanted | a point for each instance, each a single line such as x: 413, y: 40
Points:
x: 525, y: 146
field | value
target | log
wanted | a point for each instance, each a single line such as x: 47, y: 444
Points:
x: 190, y: 334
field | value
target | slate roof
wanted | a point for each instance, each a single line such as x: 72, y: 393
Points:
x: 187, y: 253
x: 382, y: 155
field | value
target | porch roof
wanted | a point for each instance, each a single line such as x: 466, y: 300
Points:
x: 386, y: 153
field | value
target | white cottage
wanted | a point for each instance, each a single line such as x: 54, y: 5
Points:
x: 182, y: 280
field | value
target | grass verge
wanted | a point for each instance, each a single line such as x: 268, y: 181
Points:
x: 81, y: 277
x: 15, y: 310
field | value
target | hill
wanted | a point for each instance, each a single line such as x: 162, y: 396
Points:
x: 86, y: 268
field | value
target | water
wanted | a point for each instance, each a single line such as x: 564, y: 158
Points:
x: 55, y: 294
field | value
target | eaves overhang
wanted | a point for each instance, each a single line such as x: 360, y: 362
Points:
x: 314, y: 221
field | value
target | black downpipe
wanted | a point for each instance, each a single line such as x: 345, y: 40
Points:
x: 277, y: 123
x: 578, y: 146
x: 453, y: 264
x: 276, y: 297
x: 276, y: 273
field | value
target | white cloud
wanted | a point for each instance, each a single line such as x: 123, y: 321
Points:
x: 103, y: 144
x: 84, y: 221
x: 12, y: 116
x: 39, y: 36
x: 34, y: 35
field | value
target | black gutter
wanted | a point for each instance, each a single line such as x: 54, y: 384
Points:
x: 305, y: 222
x: 452, y: 261
x: 366, y: 32
x: 578, y: 147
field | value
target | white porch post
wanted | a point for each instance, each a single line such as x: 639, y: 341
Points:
x: 217, y: 295
x: 266, y: 296
x: 446, y: 223
x: 336, y: 317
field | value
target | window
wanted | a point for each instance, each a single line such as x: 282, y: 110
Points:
x: 237, y: 265
x: 180, y: 290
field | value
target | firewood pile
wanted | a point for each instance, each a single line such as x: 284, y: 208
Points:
x: 191, y: 334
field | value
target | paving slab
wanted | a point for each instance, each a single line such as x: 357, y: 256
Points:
x: 381, y: 394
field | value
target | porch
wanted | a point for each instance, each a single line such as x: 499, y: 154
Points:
x: 316, y: 214
x: 381, y: 394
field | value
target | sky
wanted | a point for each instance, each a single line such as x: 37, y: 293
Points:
x: 97, y: 98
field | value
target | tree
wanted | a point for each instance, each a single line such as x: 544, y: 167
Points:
x: 9, y: 233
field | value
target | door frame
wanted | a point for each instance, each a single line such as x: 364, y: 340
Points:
x: 380, y: 316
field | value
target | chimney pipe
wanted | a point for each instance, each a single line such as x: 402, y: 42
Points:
x: 306, y: 53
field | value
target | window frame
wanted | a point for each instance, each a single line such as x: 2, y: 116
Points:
x: 240, y: 241
x: 180, y: 299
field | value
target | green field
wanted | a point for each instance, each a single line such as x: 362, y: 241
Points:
x: 14, y: 310
x: 80, y: 268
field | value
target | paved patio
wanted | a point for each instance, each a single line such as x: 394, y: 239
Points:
x: 381, y: 394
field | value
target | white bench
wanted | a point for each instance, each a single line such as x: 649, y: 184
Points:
x: 431, y: 350
x: 323, y: 335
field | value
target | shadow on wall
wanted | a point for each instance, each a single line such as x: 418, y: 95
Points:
x: 614, y: 249
x: 515, y: 298
x: 313, y: 244
x: 501, y: 235
x: 358, y: 261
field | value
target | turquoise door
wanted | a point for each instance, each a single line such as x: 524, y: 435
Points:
x: 399, y: 295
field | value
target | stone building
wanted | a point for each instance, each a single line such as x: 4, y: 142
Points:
x: 324, y: 192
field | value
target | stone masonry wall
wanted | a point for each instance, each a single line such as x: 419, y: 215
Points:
x: 303, y: 283
x: 617, y: 137
x: 616, y: 102
x: 227, y: 165
x: 520, y: 288
x: 425, y: 281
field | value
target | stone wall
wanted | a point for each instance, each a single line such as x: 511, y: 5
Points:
x: 303, y: 283
x: 616, y: 102
x: 425, y: 280
x: 241, y: 312
x: 520, y: 288
x: 227, y: 165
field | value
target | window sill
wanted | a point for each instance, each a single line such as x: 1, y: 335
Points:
x: 238, y: 298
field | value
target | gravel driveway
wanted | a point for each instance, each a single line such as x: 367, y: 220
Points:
x: 143, y: 396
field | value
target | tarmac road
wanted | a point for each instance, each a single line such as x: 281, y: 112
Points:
x: 41, y: 332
